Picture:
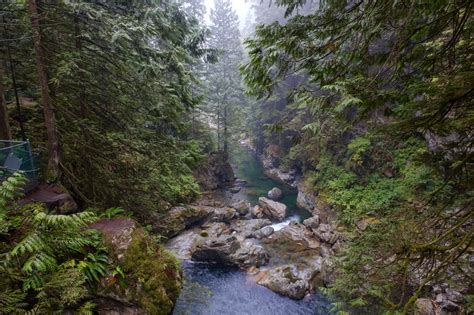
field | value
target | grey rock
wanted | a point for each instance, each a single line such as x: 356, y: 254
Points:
x: 250, y: 255
x: 223, y: 215
x: 263, y: 232
x: 305, y: 199
x: 275, y: 194
x: 242, y: 207
x: 246, y: 228
x: 272, y: 209
x: 284, y: 280
x: 217, y: 250
x: 312, y: 222
x: 235, y: 189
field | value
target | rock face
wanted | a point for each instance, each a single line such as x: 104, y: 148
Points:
x: 305, y: 199
x: 247, y: 228
x: 216, y: 172
x: 288, y: 178
x: 272, y: 209
x: 275, y: 194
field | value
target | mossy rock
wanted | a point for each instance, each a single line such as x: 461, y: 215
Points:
x: 152, y: 275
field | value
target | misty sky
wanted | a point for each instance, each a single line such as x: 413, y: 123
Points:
x: 240, y: 6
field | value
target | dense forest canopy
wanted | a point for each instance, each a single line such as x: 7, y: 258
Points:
x: 128, y: 104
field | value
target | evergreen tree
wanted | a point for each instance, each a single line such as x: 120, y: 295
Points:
x: 388, y: 117
x: 225, y: 94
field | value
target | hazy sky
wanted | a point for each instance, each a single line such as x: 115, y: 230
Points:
x: 240, y: 6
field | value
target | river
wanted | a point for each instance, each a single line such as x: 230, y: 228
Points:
x: 216, y: 290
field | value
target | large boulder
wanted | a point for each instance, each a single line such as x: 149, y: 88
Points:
x: 294, y: 239
x: 272, y: 209
x: 117, y: 233
x: 151, y: 289
x: 284, y: 280
x: 275, y: 194
x: 217, y: 250
x: 180, y: 218
x: 185, y: 243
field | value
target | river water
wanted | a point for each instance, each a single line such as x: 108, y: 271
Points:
x: 216, y: 290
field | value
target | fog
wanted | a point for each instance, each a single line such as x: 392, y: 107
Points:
x: 240, y: 6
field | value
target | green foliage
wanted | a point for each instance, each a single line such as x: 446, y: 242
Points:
x: 53, y: 258
x: 383, y: 103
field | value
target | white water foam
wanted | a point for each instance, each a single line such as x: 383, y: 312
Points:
x: 281, y: 225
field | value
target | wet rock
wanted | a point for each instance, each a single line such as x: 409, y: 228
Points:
x: 184, y: 244
x: 246, y: 228
x: 217, y: 250
x: 242, y: 207
x: 257, y: 212
x: 263, y: 232
x: 284, y: 280
x: 424, y: 307
x: 312, y: 222
x: 272, y: 209
x: 275, y: 194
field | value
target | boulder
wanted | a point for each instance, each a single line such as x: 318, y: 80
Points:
x: 217, y: 250
x: 181, y: 218
x: 294, y: 239
x: 117, y: 233
x: 263, y: 232
x: 284, y: 280
x: 257, y: 212
x: 275, y: 194
x: 235, y: 189
x: 242, y: 207
x: 272, y: 209
x: 53, y: 197
x: 327, y: 233
x: 288, y: 178
x: 312, y: 222
x: 424, y: 307
x: 250, y: 255
x: 246, y: 228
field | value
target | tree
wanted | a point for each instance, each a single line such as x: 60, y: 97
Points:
x: 5, y: 132
x: 49, y: 116
x: 389, y: 103
x: 225, y: 94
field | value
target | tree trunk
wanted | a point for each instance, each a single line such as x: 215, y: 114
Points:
x: 49, y: 118
x: 5, y: 131
x: 226, y: 135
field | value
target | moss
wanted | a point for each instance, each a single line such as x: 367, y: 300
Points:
x: 154, y: 272
x: 204, y: 234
